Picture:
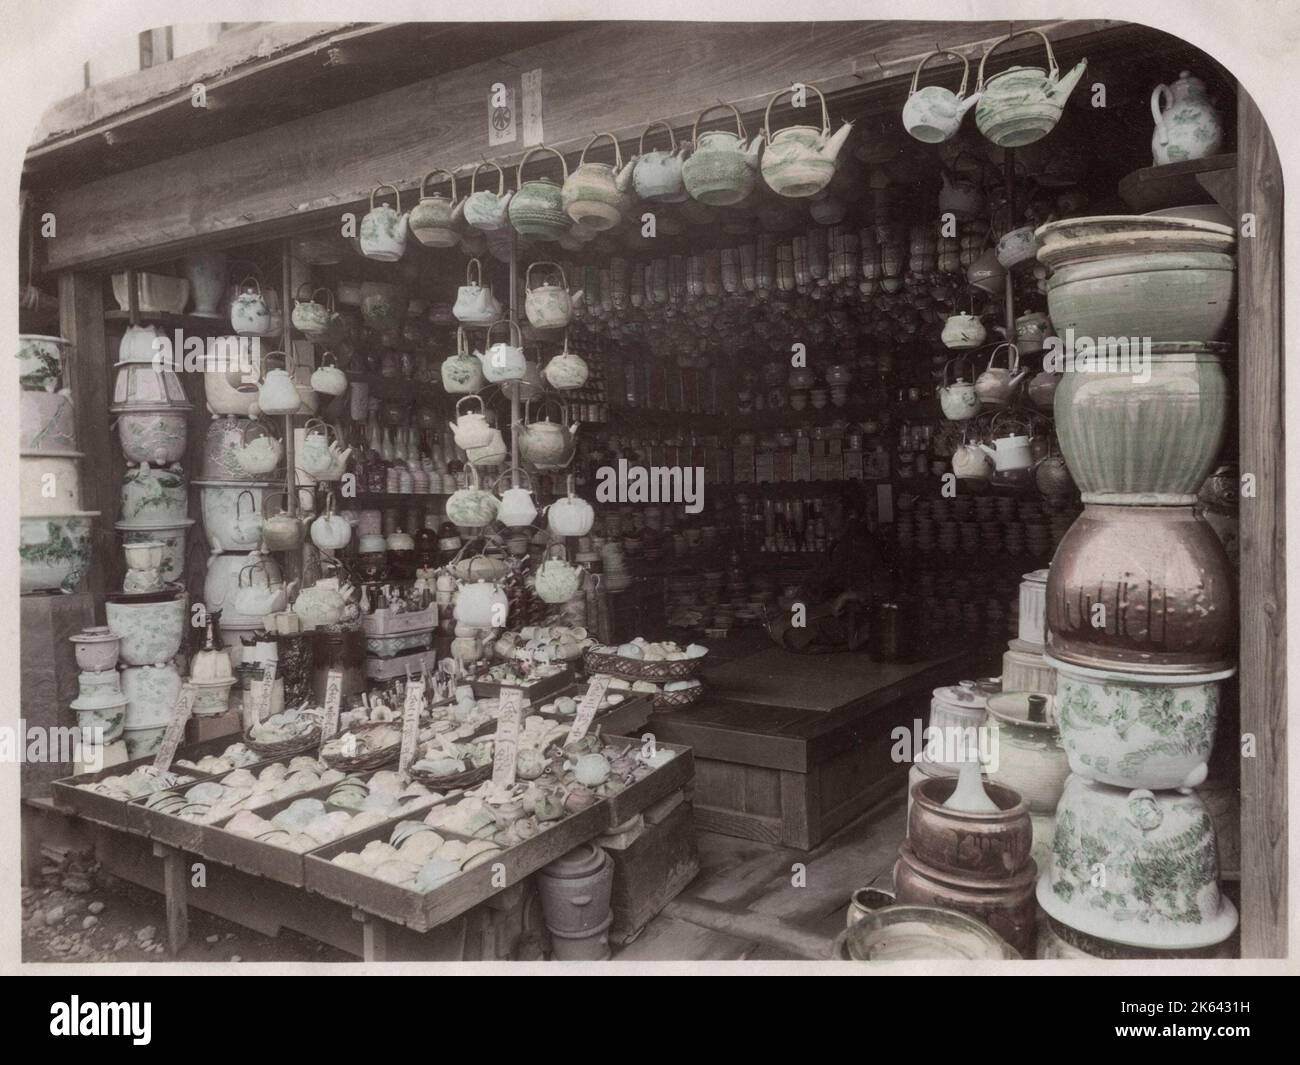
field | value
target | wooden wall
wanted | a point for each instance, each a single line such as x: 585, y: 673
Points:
x: 612, y: 77
x: 1263, y: 542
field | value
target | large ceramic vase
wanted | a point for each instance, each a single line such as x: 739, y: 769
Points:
x: 207, y: 276
x: 1135, y: 731
x: 1141, y: 589
x: 1153, y: 278
x: 54, y: 551
x: 991, y: 845
x: 1136, y: 867
x: 1150, y: 442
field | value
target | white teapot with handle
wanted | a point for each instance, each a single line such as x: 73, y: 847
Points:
x: 321, y: 457
x: 517, y: 508
x: 471, y: 428
x: 277, y: 394
x: 571, y: 515
x: 330, y: 531
x: 327, y: 378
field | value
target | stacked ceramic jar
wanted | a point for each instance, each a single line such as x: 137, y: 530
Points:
x: 100, y: 705
x: 54, y: 532
x: 1141, y: 616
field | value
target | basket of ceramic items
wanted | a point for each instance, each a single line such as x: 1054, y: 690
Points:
x: 657, y: 663
x: 363, y: 747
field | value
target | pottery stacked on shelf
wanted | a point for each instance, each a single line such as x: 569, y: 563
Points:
x: 155, y: 509
x: 54, y: 531
x: 1024, y: 669
x: 150, y: 628
x: 100, y: 703
x: 968, y: 848
x: 1141, y: 611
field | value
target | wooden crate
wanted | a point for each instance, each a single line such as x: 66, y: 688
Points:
x: 423, y: 911
x: 645, y: 793
x: 652, y: 871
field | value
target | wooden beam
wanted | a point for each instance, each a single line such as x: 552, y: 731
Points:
x: 81, y: 320
x: 1263, y: 540
x: 611, y: 76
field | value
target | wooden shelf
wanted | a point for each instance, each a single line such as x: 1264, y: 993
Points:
x: 193, y: 322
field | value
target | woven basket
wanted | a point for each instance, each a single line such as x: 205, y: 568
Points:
x: 679, y: 700
x: 361, y: 763
x: 466, y: 779
x: 635, y: 669
x: 283, y: 748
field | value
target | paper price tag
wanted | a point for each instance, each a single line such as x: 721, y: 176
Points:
x: 265, y: 690
x: 587, y: 707
x: 333, y: 702
x: 505, y: 747
x: 411, y: 723
x: 175, y: 729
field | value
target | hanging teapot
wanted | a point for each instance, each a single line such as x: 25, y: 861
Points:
x: 482, y: 604
x: 963, y: 332
x: 517, y: 509
x: 504, y: 360
x: 281, y: 531
x: 1011, y: 451
x: 493, y: 453
x: 557, y: 580
x: 996, y: 385
x: 436, y: 220
x: 260, y: 450
x: 277, y: 394
x: 484, y: 209
x: 471, y: 428
x: 324, y: 603
x: 571, y: 515
x: 327, y: 378
x: 383, y: 229
x: 312, y: 317
x: 567, y: 370
x: 537, y: 209
x: 320, y: 457
x: 933, y: 115
x: 330, y: 531
x: 969, y: 462
x: 1188, y: 127
x: 657, y: 174
x: 799, y: 161
x: 722, y: 168
x: 595, y: 195
x: 475, y: 304
x: 249, y: 313
x: 1021, y: 105
x: 546, y: 444
x: 462, y: 373
x: 957, y: 397
x: 255, y: 598
x: 548, y: 305
x: 472, y: 507
x: 1052, y: 476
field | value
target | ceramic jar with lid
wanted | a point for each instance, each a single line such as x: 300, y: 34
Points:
x: 96, y: 649
x: 154, y: 496
x: 956, y: 713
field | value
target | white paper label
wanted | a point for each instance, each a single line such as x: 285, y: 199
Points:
x: 532, y: 106
x: 333, y: 703
x: 502, y: 119
x: 175, y: 729
x: 587, y: 707
x: 505, y: 747
x: 411, y: 723
x: 265, y: 690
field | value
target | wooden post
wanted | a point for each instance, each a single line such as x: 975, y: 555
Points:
x: 88, y: 374
x: 175, y: 890
x: 374, y: 936
x: 1263, y: 540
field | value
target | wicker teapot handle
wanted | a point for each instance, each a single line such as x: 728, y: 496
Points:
x: 541, y: 148
x: 501, y: 176
x: 965, y: 70
x: 1013, y: 359
x: 474, y: 273
x: 1052, y: 69
x: 564, y: 281
x: 515, y: 334
x: 438, y: 170
x: 618, y: 152
x: 767, y: 114
x: 396, y: 193
x: 672, y: 137
x: 473, y: 395
x: 740, y: 126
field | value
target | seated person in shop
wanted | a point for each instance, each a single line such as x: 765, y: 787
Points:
x: 836, y: 596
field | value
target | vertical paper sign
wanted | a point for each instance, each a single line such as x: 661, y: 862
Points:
x: 265, y: 691
x: 502, y: 119
x: 505, y: 747
x: 587, y: 707
x: 175, y: 729
x: 333, y: 702
x: 411, y: 723
x: 531, y: 83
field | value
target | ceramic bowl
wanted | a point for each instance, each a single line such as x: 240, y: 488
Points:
x: 921, y: 933
x: 1161, y: 865
x: 151, y: 627
x: 991, y: 845
x: 1134, y: 731
x: 211, y: 697
x: 54, y: 551
x: 170, y: 535
x: 96, y: 649
x: 153, y: 435
x: 110, y: 717
x: 40, y: 361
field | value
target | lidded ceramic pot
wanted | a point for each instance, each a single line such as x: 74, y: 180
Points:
x: 1030, y: 758
x: 1032, y: 617
x: 956, y: 712
x: 96, y: 649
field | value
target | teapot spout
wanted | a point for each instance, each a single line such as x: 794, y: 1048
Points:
x: 989, y: 451
x: 1060, y: 92
x: 623, y: 179
x: 965, y: 105
x: 831, y: 148
x: 753, y: 150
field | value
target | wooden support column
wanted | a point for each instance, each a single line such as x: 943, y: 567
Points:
x: 175, y: 892
x: 1263, y: 541
x: 88, y: 374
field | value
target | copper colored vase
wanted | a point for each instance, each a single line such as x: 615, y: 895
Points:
x: 993, y: 846
x: 1006, y: 906
x: 1143, y: 589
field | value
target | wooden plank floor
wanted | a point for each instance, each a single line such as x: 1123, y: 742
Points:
x: 757, y: 901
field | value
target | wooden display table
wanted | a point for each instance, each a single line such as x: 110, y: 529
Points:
x: 790, y: 748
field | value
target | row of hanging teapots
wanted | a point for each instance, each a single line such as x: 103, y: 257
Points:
x: 1015, y: 107
x: 962, y: 398
x: 467, y: 372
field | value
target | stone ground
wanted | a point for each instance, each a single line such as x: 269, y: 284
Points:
x: 751, y: 900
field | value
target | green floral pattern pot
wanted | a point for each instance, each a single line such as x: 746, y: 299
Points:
x: 150, y: 628
x: 155, y: 436
x: 1135, y: 732
x: 1145, y: 442
x: 40, y: 362
x: 152, y: 496
x: 54, y: 552
x: 1136, y: 867
x: 171, y: 536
